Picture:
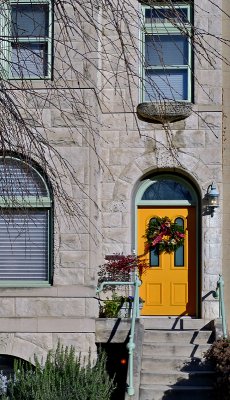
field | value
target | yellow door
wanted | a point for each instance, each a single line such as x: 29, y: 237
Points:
x: 169, y: 286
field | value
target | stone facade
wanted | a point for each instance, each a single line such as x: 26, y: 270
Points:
x: 226, y: 164
x: 33, y: 319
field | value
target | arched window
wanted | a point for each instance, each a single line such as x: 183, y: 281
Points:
x: 25, y: 222
x: 166, y: 189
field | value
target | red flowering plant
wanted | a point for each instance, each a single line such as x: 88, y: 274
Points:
x: 119, y: 267
x: 168, y: 236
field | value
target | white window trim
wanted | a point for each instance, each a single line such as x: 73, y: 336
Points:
x: 165, y: 29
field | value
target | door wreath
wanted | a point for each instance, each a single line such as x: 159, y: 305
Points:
x: 165, y: 234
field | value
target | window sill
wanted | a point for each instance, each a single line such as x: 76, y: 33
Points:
x: 164, y: 112
x: 23, y: 284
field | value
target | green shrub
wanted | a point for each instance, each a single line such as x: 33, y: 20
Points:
x: 111, y: 307
x: 219, y: 355
x: 61, y: 378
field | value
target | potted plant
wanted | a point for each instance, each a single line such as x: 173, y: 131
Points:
x: 141, y: 301
x: 111, y: 307
x: 119, y: 267
x: 117, y: 306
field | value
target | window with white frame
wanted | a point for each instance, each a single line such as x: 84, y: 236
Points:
x: 27, y: 29
x: 25, y: 225
x: 166, y: 69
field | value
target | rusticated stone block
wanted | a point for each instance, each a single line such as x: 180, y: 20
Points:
x: 43, y: 340
x: 189, y: 138
x: 69, y: 276
x: 82, y: 342
x: 7, y: 307
x: 73, y: 242
x: 46, y: 307
x: 73, y: 259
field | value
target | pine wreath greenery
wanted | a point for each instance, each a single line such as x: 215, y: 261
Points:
x: 168, y: 236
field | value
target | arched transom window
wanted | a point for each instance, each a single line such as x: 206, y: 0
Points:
x: 166, y: 189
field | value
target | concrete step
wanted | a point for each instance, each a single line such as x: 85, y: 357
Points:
x: 175, y: 323
x: 188, y: 336
x: 162, y: 363
x: 166, y: 392
x: 168, y: 349
x: 193, y: 378
x: 172, y: 365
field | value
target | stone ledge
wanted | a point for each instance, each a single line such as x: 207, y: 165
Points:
x: 47, y: 324
x: 112, y: 330
x: 75, y: 291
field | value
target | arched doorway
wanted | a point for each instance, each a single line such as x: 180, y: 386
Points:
x: 170, y: 286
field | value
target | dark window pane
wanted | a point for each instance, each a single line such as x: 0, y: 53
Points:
x: 179, y: 257
x: 166, y: 189
x: 30, y: 20
x: 29, y: 60
x: 180, y: 222
x: 170, y: 84
x: 164, y: 50
x: 165, y: 15
x: 153, y: 252
x: 179, y: 253
x: 154, y: 257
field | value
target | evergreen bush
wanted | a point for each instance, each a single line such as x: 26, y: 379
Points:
x: 62, y: 377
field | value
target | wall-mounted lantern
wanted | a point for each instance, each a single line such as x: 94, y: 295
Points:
x: 213, y: 198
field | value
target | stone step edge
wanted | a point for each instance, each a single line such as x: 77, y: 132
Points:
x: 208, y: 368
x: 159, y: 357
x: 183, y: 344
x: 186, y: 325
x: 181, y: 373
x: 174, y: 387
x: 178, y: 331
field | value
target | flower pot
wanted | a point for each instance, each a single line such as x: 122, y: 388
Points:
x: 126, y: 310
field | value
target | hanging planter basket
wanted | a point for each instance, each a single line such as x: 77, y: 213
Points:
x: 164, y: 112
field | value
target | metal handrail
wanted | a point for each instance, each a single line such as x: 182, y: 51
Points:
x: 135, y: 314
x: 219, y: 294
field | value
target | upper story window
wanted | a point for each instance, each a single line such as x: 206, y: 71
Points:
x: 166, y: 55
x: 27, y: 28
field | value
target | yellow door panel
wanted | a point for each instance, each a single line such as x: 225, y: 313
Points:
x: 169, y: 286
x: 154, y: 294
